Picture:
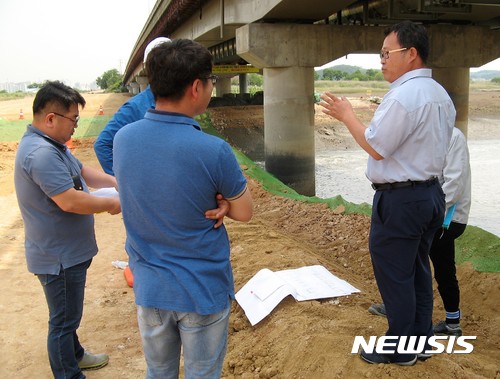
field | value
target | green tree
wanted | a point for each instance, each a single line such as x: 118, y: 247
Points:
x: 36, y: 85
x: 357, y: 75
x: 339, y: 75
x: 111, y: 80
x: 255, y: 80
x: 495, y: 80
x: 331, y: 74
x: 371, y: 72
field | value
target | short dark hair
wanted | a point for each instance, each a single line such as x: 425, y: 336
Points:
x: 409, y: 35
x: 172, y: 66
x: 57, y: 94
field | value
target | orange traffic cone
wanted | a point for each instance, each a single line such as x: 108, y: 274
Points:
x: 21, y: 115
x: 129, y: 277
x: 101, y: 111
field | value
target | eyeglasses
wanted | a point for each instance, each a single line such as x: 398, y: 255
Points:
x: 75, y: 121
x: 213, y: 78
x: 385, y: 54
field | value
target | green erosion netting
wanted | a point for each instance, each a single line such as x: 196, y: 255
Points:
x: 476, y: 245
x: 12, y: 131
x: 479, y: 247
x: 91, y: 126
x: 276, y: 187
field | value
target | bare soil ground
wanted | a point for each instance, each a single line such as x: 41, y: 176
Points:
x: 311, y: 339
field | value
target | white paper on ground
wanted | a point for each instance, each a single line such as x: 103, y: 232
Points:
x: 264, y: 291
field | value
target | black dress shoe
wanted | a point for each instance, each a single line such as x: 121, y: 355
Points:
x: 402, y: 360
x: 423, y: 356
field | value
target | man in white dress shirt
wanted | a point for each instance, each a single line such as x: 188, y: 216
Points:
x: 407, y: 141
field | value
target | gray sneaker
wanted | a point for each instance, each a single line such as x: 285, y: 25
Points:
x: 93, y: 361
x: 378, y: 310
x: 442, y: 328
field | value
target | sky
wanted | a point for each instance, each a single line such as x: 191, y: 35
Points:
x: 68, y: 40
x: 77, y: 41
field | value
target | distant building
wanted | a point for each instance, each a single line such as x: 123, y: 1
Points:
x: 23, y: 87
x: 15, y: 87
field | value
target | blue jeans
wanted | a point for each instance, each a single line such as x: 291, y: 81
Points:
x: 64, y: 294
x: 203, y: 339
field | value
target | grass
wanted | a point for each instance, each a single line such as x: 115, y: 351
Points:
x: 11, y: 131
x: 350, y: 86
x: 484, y: 86
x: 479, y: 247
x: 12, y: 95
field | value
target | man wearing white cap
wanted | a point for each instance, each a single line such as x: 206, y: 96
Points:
x: 133, y: 110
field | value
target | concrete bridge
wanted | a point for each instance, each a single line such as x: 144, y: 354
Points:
x: 286, y: 39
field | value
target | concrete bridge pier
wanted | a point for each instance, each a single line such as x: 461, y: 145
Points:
x: 223, y: 86
x: 243, y: 83
x: 288, y: 53
x: 134, y: 88
x: 456, y: 81
x: 143, y: 82
x: 453, y: 50
x: 289, y: 126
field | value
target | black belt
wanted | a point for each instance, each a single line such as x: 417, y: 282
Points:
x: 408, y: 183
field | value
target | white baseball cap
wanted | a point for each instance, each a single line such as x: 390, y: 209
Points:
x: 153, y: 44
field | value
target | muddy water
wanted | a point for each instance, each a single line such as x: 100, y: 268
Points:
x: 342, y: 172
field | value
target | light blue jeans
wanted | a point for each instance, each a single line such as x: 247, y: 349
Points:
x: 203, y: 339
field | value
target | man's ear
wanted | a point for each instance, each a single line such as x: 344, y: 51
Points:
x: 195, y: 88
x: 413, y: 53
x: 49, y: 120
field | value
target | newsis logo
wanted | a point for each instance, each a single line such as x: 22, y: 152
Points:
x: 409, y: 345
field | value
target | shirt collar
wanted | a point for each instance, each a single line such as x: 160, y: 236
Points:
x: 35, y: 130
x: 171, y: 117
x: 419, y: 72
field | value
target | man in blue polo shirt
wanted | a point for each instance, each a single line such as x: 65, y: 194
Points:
x: 169, y: 172
x: 57, y: 210
x: 133, y: 110
x: 407, y: 141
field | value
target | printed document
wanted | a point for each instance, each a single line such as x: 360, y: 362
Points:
x: 266, y: 289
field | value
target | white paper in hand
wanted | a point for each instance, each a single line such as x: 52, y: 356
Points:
x: 105, y: 192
